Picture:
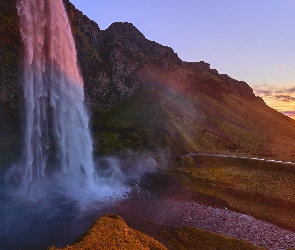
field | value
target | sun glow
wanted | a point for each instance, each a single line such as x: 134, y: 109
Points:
x: 287, y: 108
x: 282, y: 99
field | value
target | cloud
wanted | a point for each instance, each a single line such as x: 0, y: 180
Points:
x: 284, y: 98
x: 264, y: 90
x: 280, y: 93
x: 289, y: 113
x: 261, y: 92
x: 290, y: 90
x: 281, y: 98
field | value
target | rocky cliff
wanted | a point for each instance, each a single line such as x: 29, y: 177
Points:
x: 115, y: 62
x: 144, y: 97
x: 9, y: 53
x: 119, y: 61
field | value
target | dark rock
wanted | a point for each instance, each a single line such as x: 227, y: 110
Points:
x: 165, y: 101
x: 115, y: 62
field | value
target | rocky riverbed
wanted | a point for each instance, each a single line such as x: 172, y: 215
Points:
x: 157, y: 201
x: 173, y: 205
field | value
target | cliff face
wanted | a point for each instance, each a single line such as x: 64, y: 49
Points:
x: 115, y: 62
x: 9, y: 53
x: 119, y: 61
x: 144, y: 97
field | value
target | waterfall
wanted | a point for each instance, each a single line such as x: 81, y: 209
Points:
x: 57, y: 122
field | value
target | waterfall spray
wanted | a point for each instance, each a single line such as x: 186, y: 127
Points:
x: 54, y: 98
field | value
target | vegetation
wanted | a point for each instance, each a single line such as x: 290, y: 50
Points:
x: 157, y: 118
x: 111, y: 232
x: 192, y: 238
x: 264, y: 190
x: 151, y: 99
x: 190, y: 108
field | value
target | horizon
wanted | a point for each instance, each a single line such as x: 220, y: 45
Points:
x: 250, y: 41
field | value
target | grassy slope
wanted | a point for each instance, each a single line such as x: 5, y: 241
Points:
x: 263, y: 190
x: 192, y: 238
x: 154, y: 119
x: 111, y: 232
x: 182, y: 123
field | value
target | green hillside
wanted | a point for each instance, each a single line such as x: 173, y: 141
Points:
x: 143, y: 97
x: 156, y: 119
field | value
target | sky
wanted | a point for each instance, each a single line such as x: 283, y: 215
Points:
x: 250, y: 40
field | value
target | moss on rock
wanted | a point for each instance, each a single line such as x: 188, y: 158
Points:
x: 111, y: 232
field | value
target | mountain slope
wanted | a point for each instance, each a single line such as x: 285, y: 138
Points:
x: 189, y: 123
x: 144, y: 97
x: 154, y: 100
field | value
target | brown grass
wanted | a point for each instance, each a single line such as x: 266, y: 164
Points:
x: 191, y: 238
x: 111, y: 232
x: 263, y: 190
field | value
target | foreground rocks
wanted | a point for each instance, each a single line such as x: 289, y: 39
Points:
x: 111, y: 232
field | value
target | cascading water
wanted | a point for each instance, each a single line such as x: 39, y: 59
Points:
x: 53, y: 192
x: 54, y: 99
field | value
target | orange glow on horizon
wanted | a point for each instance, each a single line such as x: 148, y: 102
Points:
x: 285, y: 107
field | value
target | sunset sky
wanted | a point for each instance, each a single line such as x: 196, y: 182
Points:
x: 252, y: 40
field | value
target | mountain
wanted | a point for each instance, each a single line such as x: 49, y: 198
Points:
x: 152, y: 99
x: 142, y: 96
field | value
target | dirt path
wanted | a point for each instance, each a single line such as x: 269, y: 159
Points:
x: 240, y: 157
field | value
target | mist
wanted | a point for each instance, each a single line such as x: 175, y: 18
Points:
x: 57, y: 189
x: 62, y: 208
